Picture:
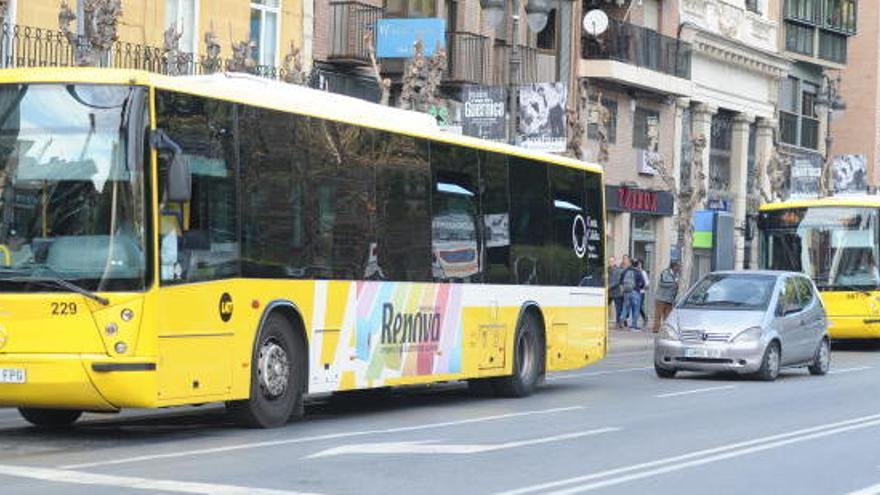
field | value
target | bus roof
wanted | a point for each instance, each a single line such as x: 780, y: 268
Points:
x: 267, y: 93
x: 860, y: 200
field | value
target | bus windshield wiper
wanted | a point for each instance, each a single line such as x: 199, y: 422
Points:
x: 57, y: 280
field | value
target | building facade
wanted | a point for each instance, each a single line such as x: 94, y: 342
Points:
x: 272, y: 25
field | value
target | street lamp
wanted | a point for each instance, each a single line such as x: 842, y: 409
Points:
x: 536, y: 18
x: 828, y: 101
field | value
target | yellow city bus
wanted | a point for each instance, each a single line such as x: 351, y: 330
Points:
x: 834, y: 241
x: 171, y: 241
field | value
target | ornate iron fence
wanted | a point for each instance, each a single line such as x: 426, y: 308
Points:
x: 24, y: 46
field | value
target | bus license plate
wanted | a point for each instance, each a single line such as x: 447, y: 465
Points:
x: 13, y: 375
x: 702, y: 352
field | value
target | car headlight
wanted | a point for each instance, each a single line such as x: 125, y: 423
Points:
x: 668, y: 332
x: 753, y: 334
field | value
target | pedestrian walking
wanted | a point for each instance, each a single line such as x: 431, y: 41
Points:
x: 646, y: 277
x: 667, y: 291
x: 632, y: 283
x: 615, y: 293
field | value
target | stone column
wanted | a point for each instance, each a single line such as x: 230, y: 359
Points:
x: 763, y: 149
x: 701, y: 117
x: 681, y: 104
x: 739, y: 176
x: 621, y: 223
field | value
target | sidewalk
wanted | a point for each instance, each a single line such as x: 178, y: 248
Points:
x: 621, y: 341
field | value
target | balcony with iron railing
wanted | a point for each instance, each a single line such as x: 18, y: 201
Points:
x: 351, y: 20
x: 535, y: 65
x: 642, y: 47
x: 638, y: 56
x: 469, y: 58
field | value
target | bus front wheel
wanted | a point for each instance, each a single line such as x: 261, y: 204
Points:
x: 528, y: 360
x: 50, y: 418
x: 277, y: 377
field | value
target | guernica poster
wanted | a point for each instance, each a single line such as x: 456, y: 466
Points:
x: 805, y: 175
x: 485, y: 109
x: 850, y: 174
x: 542, y: 117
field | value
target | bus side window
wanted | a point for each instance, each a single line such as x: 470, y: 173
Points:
x: 207, y: 226
x: 495, y: 203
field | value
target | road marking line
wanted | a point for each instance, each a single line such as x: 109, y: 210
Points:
x: 329, y: 436
x: 695, y: 391
x: 709, y: 460
x: 870, y: 420
x: 849, y: 370
x: 153, y: 485
x: 870, y: 490
x: 597, y: 373
x: 426, y: 447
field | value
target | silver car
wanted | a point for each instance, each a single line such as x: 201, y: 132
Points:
x: 752, y: 323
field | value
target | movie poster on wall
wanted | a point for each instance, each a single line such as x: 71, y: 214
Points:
x: 850, y: 174
x: 485, y: 112
x: 542, y: 117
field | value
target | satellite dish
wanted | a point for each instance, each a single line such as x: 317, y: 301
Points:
x: 595, y: 22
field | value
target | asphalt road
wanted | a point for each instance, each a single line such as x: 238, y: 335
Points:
x: 611, y: 428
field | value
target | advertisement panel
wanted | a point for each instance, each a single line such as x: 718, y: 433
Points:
x: 542, y: 117
x: 850, y: 174
x: 396, y: 38
x: 485, y: 108
x: 805, y: 175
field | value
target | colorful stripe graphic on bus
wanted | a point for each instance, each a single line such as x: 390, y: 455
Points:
x: 406, y: 329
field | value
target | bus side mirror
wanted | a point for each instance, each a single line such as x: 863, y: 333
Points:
x: 178, y: 188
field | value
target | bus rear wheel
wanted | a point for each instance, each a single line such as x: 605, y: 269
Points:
x: 528, y: 360
x: 277, y: 377
x: 50, y: 418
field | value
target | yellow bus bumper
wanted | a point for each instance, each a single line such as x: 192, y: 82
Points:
x: 854, y: 327
x: 72, y: 381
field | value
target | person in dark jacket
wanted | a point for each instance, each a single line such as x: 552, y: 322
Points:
x: 667, y: 291
x: 615, y: 294
x: 632, y: 283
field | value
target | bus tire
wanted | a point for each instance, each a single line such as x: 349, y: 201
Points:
x: 528, y: 360
x: 50, y: 418
x: 277, y: 377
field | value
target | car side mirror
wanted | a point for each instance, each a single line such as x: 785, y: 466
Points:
x: 178, y: 187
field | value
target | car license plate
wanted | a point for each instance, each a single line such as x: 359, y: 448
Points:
x: 13, y: 375
x: 702, y: 352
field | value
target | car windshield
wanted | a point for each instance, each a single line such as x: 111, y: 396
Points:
x: 71, y: 186
x: 835, y: 246
x: 731, y: 292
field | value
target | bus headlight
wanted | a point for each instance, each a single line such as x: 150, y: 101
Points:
x: 749, y: 335
x: 668, y: 332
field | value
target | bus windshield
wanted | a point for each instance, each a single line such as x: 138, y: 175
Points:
x: 71, y: 187
x: 836, y: 246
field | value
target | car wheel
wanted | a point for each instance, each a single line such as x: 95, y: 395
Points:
x: 50, y: 418
x: 770, y: 365
x: 528, y: 361
x: 664, y: 372
x: 822, y: 361
x: 277, y: 377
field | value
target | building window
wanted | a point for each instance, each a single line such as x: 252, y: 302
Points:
x: 611, y: 128
x: 546, y: 39
x: 752, y: 6
x: 720, y: 151
x: 265, y: 16
x: 10, y: 13
x: 410, y: 8
x: 798, y: 39
x: 832, y: 46
x: 819, y: 28
x: 798, y: 120
x: 640, y: 126
x: 788, y: 111
x: 183, y: 15
x: 809, y: 118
